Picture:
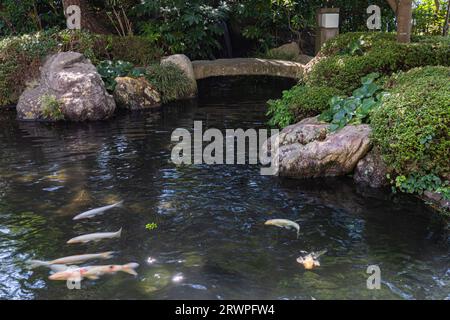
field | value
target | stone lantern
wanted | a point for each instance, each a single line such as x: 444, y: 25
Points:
x: 327, y: 25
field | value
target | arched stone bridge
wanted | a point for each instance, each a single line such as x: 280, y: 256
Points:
x: 246, y: 67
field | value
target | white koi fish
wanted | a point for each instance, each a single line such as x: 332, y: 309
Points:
x: 71, y: 259
x: 284, y: 223
x: 95, y: 237
x: 97, y: 211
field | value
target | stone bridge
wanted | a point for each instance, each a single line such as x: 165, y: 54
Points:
x: 201, y: 69
x: 246, y: 67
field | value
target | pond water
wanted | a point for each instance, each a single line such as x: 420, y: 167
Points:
x: 211, y: 242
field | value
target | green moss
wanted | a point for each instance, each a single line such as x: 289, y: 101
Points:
x: 375, y: 52
x: 51, y: 108
x: 341, y: 42
x: 412, y: 127
x: 344, y: 71
x: 300, y: 102
x: 373, y: 39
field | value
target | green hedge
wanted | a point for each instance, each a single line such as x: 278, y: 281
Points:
x: 342, y: 41
x: 412, y: 127
x: 300, y: 102
x: 21, y: 57
x: 374, y: 52
x: 349, y: 57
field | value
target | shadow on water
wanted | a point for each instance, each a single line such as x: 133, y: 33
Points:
x: 211, y: 241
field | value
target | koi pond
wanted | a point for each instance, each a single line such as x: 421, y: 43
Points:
x: 198, y: 231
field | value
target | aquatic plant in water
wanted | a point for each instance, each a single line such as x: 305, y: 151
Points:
x: 151, y: 226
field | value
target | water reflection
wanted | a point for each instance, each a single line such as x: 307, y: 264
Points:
x: 210, y: 241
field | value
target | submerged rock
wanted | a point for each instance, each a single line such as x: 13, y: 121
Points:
x: 436, y: 199
x: 308, y: 150
x: 185, y: 64
x: 70, y: 88
x: 136, y: 94
x: 371, y: 170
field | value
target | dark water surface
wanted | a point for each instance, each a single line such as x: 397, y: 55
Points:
x: 210, y: 241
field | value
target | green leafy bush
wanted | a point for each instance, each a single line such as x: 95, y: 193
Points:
x: 416, y: 183
x: 168, y: 79
x: 110, y: 70
x: 190, y: 27
x: 357, y: 108
x: 351, y: 56
x: 20, y: 59
x: 298, y: 103
x: 343, y: 41
x: 279, y: 111
x: 428, y: 18
x: 25, y: 16
x: 135, y: 49
x: 412, y: 126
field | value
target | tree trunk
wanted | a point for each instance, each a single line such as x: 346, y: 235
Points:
x: 89, y: 21
x: 403, y: 13
x: 446, y: 26
x: 404, y: 21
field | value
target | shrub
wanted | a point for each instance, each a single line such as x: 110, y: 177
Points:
x: 191, y: 27
x: 110, y: 70
x: 21, y: 57
x: 137, y: 50
x: 344, y: 64
x: 168, y: 79
x: 298, y: 103
x: 357, y: 108
x: 97, y: 47
x: 343, y: 41
x: 412, y: 127
x: 416, y: 183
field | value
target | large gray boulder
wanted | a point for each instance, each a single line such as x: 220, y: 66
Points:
x: 307, y: 149
x: 185, y: 64
x: 70, y: 88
